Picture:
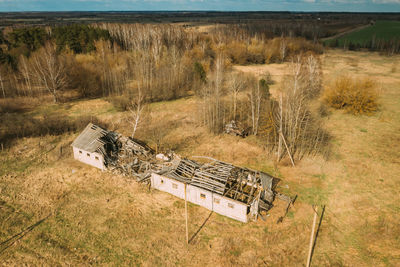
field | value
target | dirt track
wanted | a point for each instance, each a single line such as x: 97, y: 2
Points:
x: 345, y: 32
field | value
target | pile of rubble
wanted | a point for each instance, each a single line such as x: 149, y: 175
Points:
x: 133, y: 158
x: 236, y: 129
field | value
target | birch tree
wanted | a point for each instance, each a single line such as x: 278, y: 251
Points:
x: 236, y: 85
x: 135, y: 110
x: 283, y: 48
x: 2, y: 84
x: 49, y: 70
x: 212, y: 107
x: 259, y: 93
x: 24, y: 69
x: 298, y: 131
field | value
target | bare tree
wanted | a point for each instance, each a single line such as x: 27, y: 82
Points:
x: 213, y: 111
x: 2, y: 84
x: 252, y: 99
x: 26, y: 73
x: 283, y: 48
x: 314, y: 75
x: 136, y: 109
x: 49, y: 70
x: 102, y: 49
x: 236, y: 85
x: 257, y: 97
x: 298, y: 132
x: 218, y: 82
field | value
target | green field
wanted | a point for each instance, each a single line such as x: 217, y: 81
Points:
x: 381, y: 30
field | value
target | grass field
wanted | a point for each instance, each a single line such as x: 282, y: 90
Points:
x: 97, y: 218
x: 381, y: 30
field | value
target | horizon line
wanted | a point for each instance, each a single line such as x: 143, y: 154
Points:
x: 220, y: 11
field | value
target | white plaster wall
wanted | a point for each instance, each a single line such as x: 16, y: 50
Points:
x: 166, y: 184
x: 91, y: 159
x: 193, y: 195
x: 238, y: 211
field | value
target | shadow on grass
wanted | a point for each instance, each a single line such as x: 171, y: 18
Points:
x: 9, y: 242
x: 201, y: 227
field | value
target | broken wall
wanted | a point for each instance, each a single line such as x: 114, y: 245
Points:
x: 94, y: 159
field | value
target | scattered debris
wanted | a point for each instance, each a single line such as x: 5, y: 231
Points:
x: 290, y: 203
x: 234, y: 129
x: 132, y: 158
x: 162, y: 157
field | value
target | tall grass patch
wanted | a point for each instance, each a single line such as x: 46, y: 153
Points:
x: 356, y: 96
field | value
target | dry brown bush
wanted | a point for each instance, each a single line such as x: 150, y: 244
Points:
x: 357, y: 96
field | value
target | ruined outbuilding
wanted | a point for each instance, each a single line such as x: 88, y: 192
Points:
x: 236, y: 192
x: 91, y: 145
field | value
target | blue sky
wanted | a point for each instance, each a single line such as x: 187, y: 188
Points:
x: 221, y: 5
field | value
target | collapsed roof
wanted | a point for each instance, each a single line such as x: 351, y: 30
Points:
x: 134, y: 158
x: 90, y: 139
x: 97, y: 139
x: 241, y: 184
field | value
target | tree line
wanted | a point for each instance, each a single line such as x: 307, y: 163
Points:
x: 387, y: 46
x: 76, y: 37
x: 162, y: 60
x: 134, y: 64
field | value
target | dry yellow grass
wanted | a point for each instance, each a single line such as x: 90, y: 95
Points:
x: 104, y: 219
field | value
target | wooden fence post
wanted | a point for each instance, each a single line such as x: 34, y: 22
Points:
x: 312, y: 236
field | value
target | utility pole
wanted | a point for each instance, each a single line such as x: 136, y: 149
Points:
x: 312, y: 236
x: 186, y: 218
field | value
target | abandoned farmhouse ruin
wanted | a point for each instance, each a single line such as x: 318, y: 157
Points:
x: 236, y: 192
x: 87, y: 147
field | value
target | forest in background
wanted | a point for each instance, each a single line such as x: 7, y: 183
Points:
x: 132, y: 65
